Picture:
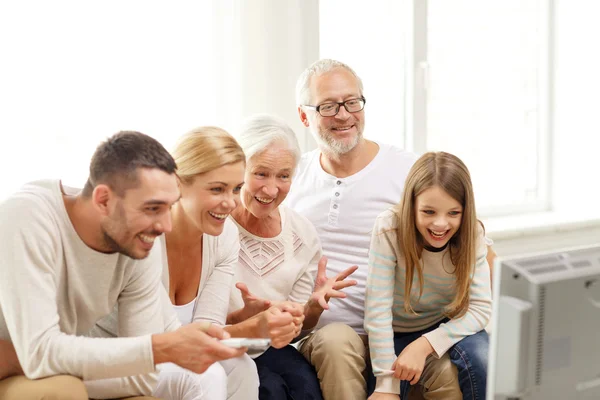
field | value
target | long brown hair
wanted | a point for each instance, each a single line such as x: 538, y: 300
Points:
x: 449, y: 173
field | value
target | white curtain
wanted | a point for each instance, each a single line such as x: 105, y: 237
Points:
x: 74, y: 73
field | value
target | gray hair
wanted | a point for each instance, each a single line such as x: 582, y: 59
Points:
x: 318, y: 68
x: 262, y: 130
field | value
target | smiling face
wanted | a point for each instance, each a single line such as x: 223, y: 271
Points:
x: 134, y: 220
x: 268, y: 180
x: 437, y: 216
x: 212, y: 196
x: 341, y: 133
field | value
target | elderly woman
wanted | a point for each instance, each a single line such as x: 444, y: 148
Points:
x: 280, y: 256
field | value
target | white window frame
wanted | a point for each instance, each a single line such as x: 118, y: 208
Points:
x: 416, y: 104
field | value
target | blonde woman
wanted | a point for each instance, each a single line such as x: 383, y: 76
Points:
x: 200, y: 255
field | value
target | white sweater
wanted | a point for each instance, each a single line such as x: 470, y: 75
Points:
x: 280, y: 268
x: 219, y: 259
x: 53, y: 289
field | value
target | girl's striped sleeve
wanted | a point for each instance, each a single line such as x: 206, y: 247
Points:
x: 379, y: 301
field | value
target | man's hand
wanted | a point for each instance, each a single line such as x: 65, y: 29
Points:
x: 410, y: 363
x: 9, y: 363
x: 383, y: 396
x: 193, y: 346
x: 326, y: 288
x: 279, y: 326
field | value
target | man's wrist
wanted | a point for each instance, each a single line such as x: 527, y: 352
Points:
x: 161, y: 345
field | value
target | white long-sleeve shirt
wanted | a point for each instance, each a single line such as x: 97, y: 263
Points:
x: 219, y: 260
x: 384, y: 303
x: 53, y: 289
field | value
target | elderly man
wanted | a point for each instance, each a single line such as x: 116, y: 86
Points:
x: 342, y: 187
x: 69, y: 257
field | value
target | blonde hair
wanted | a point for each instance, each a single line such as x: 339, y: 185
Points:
x: 450, y: 174
x: 204, y: 149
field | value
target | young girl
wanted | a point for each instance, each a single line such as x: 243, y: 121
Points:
x: 428, y: 288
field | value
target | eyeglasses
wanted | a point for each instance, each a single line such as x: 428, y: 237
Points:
x: 331, y: 109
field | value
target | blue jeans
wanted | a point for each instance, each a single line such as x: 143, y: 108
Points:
x: 470, y: 356
x: 285, y: 374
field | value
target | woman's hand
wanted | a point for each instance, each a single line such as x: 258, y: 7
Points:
x: 326, y: 288
x: 279, y: 326
x: 410, y: 363
x: 253, y: 305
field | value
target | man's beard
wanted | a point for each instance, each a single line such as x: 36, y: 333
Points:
x: 115, y: 247
x: 328, y: 144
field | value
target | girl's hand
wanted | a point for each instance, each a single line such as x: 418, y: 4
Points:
x: 410, y: 363
x: 326, y: 288
x: 383, y: 396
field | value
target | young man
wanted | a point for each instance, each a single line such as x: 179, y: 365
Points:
x: 342, y: 187
x: 69, y: 257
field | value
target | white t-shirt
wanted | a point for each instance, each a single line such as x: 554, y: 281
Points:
x: 343, y: 212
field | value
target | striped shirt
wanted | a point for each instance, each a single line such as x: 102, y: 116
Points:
x: 384, y: 303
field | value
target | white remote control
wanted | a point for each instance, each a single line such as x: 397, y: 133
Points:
x: 387, y: 372
x: 252, y: 344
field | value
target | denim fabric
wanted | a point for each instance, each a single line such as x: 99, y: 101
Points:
x: 286, y: 375
x: 470, y: 356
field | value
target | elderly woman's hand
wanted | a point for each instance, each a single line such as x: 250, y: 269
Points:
x: 279, y: 326
x: 296, y: 310
x: 326, y: 288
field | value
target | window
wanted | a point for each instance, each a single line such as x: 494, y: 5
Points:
x: 470, y: 78
x: 484, y: 82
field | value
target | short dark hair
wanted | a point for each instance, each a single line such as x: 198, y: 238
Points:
x: 116, y: 161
